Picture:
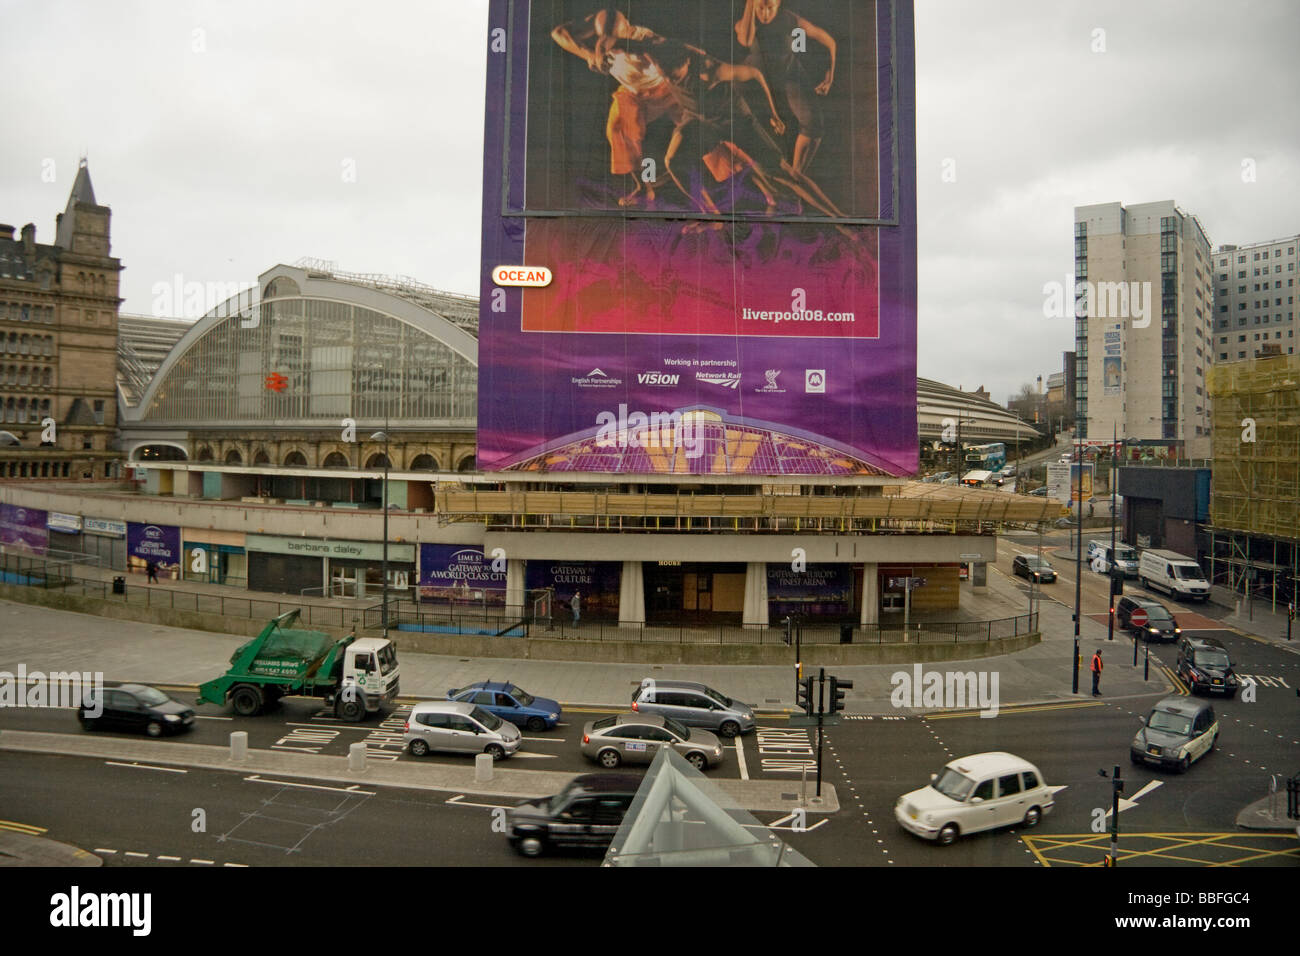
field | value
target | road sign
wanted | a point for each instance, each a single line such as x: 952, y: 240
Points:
x: 1138, y: 618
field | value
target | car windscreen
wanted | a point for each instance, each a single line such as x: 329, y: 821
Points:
x: 952, y: 784
x: 1209, y: 658
x: 1038, y: 564
x: 1188, y: 572
x: 674, y: 727
x: 1125, y: 554
x: 151, y: 697
x: 488, y: 720
x: 387, y: 659
x: 722, y: 699
x: 1158, y: 615
x: 1170, y: 723
x: 521, y: 696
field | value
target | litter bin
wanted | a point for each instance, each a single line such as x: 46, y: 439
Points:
x: 846, y: 633
x: 119, y: 585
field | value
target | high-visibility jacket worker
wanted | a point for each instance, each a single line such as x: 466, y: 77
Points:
x: 1096, y: 674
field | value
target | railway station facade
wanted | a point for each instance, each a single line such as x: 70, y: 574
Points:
x: 258, y: 454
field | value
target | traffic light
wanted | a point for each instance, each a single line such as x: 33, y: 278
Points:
x: 838, y: 686
x: 1116, y: 581
x: 804, y: 695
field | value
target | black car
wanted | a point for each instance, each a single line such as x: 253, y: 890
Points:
x: 1204, y: 665
x: 585, y: 814
x: 1160, y: 625
x: 1032, y: 566
x: 134, y: 707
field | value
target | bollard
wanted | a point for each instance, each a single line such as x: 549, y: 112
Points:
x: 238, y: 746
x: 483, y: 768
x: 357, y: 758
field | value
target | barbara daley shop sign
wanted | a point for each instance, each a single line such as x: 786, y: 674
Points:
x: 316, y: 548
x: 157, y: 543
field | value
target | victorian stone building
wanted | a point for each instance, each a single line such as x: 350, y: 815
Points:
x: 58, y: 344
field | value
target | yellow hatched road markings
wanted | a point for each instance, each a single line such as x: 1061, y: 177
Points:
x: 27, y: 828
x: 1220, y: 849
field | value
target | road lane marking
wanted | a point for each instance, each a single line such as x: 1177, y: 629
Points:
x: 551, y: 740
x: 1019, y: 709
x: 206, y: 717
x: 144, y: 766
x: 28, y: 828
x: 1128, y: 803
x: 740, y: 757
x: 460, y: 801
x: 256, y: 778
x: 134, y: 853
x: 173, y: 859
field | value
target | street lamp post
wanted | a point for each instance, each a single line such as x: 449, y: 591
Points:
x: 383, y: 436
x: 1110, y: 570
x: 1078, y: 562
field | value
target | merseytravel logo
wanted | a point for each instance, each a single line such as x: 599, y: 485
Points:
x: 533, y: 277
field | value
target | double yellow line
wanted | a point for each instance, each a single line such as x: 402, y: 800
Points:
x: 22, y: 828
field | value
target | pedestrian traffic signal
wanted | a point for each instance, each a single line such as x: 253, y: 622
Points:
x: 803, y: 695
x: 838, y: 686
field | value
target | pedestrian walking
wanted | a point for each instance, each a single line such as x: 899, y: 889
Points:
x: 576, y: 604
x: 152, y: 568
x: 1096, y: 674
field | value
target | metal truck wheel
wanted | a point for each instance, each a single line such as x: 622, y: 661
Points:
x: 353, y: 711
x: 247, y: 700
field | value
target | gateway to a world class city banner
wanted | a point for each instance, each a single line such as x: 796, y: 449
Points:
x: 699, y: 238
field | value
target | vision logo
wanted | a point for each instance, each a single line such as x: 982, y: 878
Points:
x: 660, y: 379
x: 276, y: 382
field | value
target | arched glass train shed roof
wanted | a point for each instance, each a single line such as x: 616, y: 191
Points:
x: 310, y: 347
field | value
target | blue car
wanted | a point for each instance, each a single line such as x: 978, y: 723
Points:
x: 511, y: 703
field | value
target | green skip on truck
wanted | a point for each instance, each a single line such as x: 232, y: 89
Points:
x: 354, y: 676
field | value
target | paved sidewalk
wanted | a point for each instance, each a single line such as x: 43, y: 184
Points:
x: 53, y: 640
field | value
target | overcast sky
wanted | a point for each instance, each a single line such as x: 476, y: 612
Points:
x: 231, y: 136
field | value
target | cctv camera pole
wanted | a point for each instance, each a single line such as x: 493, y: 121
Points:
x: 1078, y: 564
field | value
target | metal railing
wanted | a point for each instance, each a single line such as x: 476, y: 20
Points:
x: 450, y: 620
x: 48, y: 575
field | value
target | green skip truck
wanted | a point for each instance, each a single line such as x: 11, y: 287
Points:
x: 355, y: 676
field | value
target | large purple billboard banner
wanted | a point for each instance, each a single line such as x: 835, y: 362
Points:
x: 723, y: 192
x: 24, y: 529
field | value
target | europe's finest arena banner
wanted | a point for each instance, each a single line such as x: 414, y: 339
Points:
x: 699, y: 238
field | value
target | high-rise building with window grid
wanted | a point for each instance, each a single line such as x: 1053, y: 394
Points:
x: 1143, y: 334
x: 1255, y: 299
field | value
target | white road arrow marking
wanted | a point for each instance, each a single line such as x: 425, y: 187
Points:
x: 1131, y: 802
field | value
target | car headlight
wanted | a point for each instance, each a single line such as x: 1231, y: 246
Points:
x: 717, y: 751
x: 555, y: 716
x: 1154, y: 630
x: 171, y: 717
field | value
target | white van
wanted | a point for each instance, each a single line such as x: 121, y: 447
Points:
x: 1100, y: 558
x: 1174, y: 573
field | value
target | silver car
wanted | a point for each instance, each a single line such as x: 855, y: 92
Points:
x: 458, y: 728
x: 695, y: 705
x: 636, y: 738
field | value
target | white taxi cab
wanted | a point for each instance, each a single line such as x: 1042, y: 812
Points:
x: 975, y: 793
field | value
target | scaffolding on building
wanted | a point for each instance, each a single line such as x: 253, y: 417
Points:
x: 1255, y: 490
